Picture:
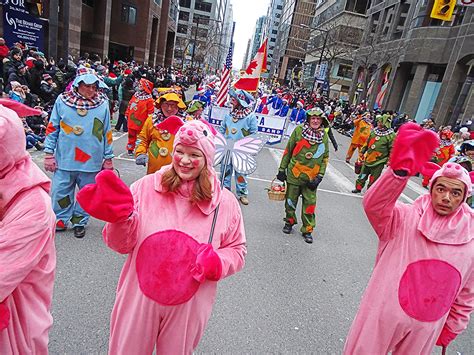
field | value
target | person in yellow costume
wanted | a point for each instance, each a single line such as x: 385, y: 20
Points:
x: 362, y: 129
x: 158, y: 132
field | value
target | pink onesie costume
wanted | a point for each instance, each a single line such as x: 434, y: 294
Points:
x: 423, y: 277
x: 27, y: 251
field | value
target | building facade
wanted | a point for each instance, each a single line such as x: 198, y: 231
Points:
x: 337, y: 30
x: 202, y: 34
x: 293, y: 36
x: 142, y: 30
x: 411, y: 63
x: 270, y: 31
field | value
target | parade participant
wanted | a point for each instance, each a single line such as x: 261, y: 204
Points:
x: 303, y: 167
x: 376, y: 152
x: 262, y: 105
x: 78, y: 145
x: 200, y: 96
x: 297, y: 117
x: 283, y: 110
x: 163, y: 301
x: 275, y: 103
x: 421, y: 289
x: 444, y: 152
x: 27, y: 251
x: 156, y: 139
x: 195, y: 109
x: 240, y: 122
x: 140, y: 107
x: 362, y: 128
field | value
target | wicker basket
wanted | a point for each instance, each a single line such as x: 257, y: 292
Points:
x: 276, y: 195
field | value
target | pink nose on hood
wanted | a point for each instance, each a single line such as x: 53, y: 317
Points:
x: 188, y: 137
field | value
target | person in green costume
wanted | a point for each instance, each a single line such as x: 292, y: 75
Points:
x: 303, y: 166
x: 376, y: 152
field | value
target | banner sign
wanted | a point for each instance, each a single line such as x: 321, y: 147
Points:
x: 272, y: 126
x: 20, y: 26
x: 321, y: 71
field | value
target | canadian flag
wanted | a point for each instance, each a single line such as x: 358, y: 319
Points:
x: 249, y: 80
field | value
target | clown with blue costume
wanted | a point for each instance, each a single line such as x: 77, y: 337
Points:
x: 239, y: 123
x: 78, y: 145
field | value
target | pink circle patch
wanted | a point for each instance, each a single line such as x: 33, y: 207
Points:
x: 428, y: 288
x: 163, y: 264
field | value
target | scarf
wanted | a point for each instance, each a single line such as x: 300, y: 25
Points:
x: 75, y: 100
x: 445, y: 143
x: 159, y: 117
x: 312, y: 135
x: 383, y: 132
x: 240, y: 113
x: 142, y: 95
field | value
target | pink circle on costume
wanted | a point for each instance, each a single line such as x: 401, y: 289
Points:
x: 163, y: 265
x: 190, y: 133
x: 428, y: 289
x: 182, y: 129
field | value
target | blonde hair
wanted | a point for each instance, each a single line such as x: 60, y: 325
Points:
x: 202, y: 189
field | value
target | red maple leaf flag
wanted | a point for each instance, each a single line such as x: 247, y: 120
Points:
x: 249, y: 80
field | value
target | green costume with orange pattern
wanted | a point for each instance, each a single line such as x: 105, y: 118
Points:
x: 303, y: 161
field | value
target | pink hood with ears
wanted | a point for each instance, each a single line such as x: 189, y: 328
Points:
x: 18, y: 173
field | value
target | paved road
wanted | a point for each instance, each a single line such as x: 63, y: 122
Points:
x: 290, y: 298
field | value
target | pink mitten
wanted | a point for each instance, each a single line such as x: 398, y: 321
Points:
x: 50, y: 163
x: 445, y: 337
x: 413, y: 147
x: 107, y: 164
x: 208, y: 265
x: 4, y: 316
x: 109, y: 199
x: 429, y: 168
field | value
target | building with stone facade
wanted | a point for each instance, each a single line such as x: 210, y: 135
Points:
x: 290, y: 49
x: 204, y: 33
x: 143, y: 30
x: 336, y: 33
x: 270, y: 31
x: 409, y: 62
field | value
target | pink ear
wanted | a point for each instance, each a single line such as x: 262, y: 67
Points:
x: 171, y: 124
x: 20, y: 109
x: 429, y: 169
x: 471, y: 174
x: 211, y: 127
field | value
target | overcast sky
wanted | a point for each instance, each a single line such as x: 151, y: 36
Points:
x: 246, y: 13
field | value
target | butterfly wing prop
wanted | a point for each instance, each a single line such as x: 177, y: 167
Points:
x: 222, y: 146
x: 244, y: 152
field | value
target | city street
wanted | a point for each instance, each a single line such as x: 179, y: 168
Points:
x: 291, y: 297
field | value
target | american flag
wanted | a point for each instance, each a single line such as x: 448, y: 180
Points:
x: 225, y: 79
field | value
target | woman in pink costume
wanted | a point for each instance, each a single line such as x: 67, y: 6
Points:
x: 421, y: 292
x: 27, y: 252
x: 168, y: 283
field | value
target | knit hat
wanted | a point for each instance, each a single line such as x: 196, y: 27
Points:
x: 454, y: 171
x: 300, y: 102
x: 47, y: 77
x: 198, y: 134
x: 147, y: 85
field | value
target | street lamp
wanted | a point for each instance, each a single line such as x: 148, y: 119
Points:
x: 326, y: 32
x: 195, y: 36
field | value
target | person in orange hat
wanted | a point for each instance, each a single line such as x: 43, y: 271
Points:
x: 157, y: 134
x: 140, y: 107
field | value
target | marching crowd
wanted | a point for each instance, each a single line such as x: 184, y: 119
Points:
x: 169, y: 281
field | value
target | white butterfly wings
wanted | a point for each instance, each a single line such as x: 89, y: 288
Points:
x: 242, y: 152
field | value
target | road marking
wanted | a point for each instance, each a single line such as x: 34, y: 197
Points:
x: 114, y: 138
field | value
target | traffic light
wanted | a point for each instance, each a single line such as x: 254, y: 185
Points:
x: 443, y: 9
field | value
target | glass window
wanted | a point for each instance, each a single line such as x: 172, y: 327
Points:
x: 185, y: 3
x: 129, y: 14
x: 182, y: 28
x: 88, y: 2
x: 184, y: 16
x: 203, y: 6
x: 344, y: 71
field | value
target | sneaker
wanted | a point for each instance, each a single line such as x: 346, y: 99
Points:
x: 308, y: 238
x: 130, y: 153
x: 244, y: 200
x: 39, y: 146
x: 60, y: 226
x: 356, y: 191
x: 287, y: 228
x: 79, y: 231
x: 348, y: 161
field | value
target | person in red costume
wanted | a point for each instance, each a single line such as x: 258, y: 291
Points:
x: 444, y: 152
x: 421, y: 292
x: 27, y: 251
x: 163, y: 223
x: 140, y: 107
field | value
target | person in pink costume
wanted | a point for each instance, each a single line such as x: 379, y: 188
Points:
x: 421, y: 292
x: 168, y: 284
x: 27, y: 251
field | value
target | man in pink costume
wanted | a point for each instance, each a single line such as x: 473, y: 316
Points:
x: 161, y: 301
x: 27, y: 252
x: 421, y: 292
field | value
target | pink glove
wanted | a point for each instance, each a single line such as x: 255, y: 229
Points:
x: 4, y: 316
x: 413, y: 147
x: 109, y: 199
x: 208, y: 265
x: 107, y: 165
x: 50, y: 163
x: 445, y: 337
